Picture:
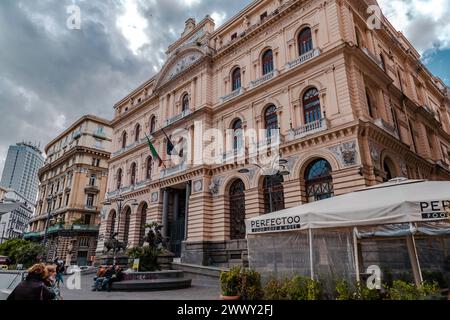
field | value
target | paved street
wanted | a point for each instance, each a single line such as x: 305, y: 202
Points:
x: 200, y: 290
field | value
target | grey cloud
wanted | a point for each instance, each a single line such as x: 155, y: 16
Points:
x: 48, y: 71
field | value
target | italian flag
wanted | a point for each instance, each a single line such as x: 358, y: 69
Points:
x: 153, y: 151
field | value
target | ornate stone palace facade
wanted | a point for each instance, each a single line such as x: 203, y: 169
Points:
x: 354, y: 107
x: 73, y: 185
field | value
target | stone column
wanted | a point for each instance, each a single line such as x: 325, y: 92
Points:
x: 165, y: 215
x: 186, y: 219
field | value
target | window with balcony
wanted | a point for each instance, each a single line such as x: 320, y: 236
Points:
x: 305, y: 43
x: 90, y: 200
x: 267, y: 62
x: 311, y: 106
x: 133, y: 174
x: 271, y: 120
x: 185, y: 102
x: 236, y: 79
x: 152, y: 124
x: 124, y: 139
x: 137, y: 133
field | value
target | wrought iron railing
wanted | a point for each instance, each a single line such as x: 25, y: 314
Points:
x: 232, y: 95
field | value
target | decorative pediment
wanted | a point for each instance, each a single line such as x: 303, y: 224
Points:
x: 179, y: 63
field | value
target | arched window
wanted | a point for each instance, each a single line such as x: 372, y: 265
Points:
x: 185, y: 103
x: 143, y: 223
x: 133, y: 174
x: 271, y: 120
x: 237, y: 134
x: 152, y: 124
x: 273, y: 193
x: 236, y: 79
x: 319, y: 183
x: 124, y: 139
x: 267, y: 62
x: 137, y: 133
x: 311, y: 106
x: 126, y: 227
x: 370, y: 105
x: 119, y: 179
x: 149, y: 168
x: 305, y: 43
x: 237, y: 210
x: 112, y: 223
x: 389, y: 170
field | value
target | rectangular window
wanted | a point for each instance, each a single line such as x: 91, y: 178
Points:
x: 263, y: 16
x: 98, y: 143
x: 234, y: 36
x: 84, y: 242
x: 98, y: 162
x: 90, y: 200
x: 67, y: 199
x: 92, y: 180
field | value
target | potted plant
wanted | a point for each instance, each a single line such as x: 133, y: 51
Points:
x: 230, y: 282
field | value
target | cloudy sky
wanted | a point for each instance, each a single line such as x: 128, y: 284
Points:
x: 50, y: 75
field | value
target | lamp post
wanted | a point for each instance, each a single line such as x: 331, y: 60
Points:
x: 47, y: 221
x: 121, y: 203
x: 284, y: 172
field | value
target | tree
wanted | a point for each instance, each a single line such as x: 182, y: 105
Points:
x: 22, y: 251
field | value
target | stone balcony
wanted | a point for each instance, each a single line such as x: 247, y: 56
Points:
x: 232, y: 95
x: 308, y: 129
x: 263, y: 79
x: 373, y: 57
x: 233, y: 155
x: 178, y: 117
x: 387, y: 127
x: 167, y: 172
x: 303, y: 58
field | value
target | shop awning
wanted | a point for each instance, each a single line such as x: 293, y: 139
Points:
x: 394, y: 202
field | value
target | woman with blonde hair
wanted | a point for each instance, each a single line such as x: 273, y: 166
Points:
x: 33, y: 287
x: 50, y: 281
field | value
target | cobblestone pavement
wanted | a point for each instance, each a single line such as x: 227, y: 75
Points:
x: 200, y: 290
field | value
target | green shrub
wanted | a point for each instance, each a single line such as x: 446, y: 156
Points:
x: 148, y: 257
x: 402, y: 290
x: 302, y: 288
x: 346, y: 291
x: 250, y: 285
x: 273, y: 290
x: 230, y: 281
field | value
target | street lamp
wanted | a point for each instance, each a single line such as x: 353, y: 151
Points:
x: 284, y: 172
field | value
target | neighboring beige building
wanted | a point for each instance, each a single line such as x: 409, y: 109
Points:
x: 73, y: 184
x: 354, y: 107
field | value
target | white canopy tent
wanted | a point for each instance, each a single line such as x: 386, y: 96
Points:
x: 399, y: 202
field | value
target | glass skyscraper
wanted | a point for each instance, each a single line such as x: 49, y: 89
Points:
x: 21, y: 170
